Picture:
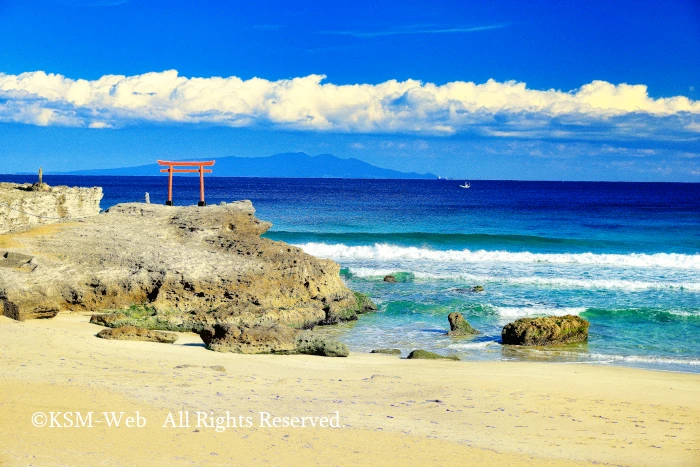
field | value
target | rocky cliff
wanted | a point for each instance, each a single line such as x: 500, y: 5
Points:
x: 187, y: 266
x: 22, y: 208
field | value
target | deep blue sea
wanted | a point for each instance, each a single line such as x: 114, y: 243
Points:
x: 625, y: 256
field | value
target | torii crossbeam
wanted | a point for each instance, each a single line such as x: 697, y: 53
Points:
x: 201, y: 170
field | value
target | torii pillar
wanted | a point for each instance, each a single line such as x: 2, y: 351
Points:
x: 200, y: 169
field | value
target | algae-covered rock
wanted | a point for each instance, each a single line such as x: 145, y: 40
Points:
x: 338, y: 312
x: 314, y: 345
x: 425, y: 355
x: 147, y: 317
x: 547, y: 330
x: 460, y: 326
x: 249, y: 339
x: 387, y: 351
x: 134, y: 333
x: 364, y: 303
x: 109, y: 320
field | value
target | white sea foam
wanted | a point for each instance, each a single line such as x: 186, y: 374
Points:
x: 683, y: 313
x: 643, y: 359
x: 555, y: 282
x: 373, y: 272
x: 473, y: 345
x: 518, y: 312
x: 619, y: 284
x: 387, y: 252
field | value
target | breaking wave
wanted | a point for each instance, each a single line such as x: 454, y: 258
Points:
x: 387, y: 252
x: 554, y: 282
x: 519, y: 312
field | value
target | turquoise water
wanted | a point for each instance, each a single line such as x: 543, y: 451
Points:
x: 625, y: 256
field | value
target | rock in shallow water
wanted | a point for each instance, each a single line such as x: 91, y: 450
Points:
x: 387, y: 351
x: 425, y: 355
x: 548, y: 330
x: 460, y: 326
x: 134, y: 333
x: 339, y: 312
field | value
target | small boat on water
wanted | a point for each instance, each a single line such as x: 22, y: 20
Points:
x: 466, y: 185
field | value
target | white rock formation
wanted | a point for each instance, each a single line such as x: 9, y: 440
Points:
x: 22, y: 208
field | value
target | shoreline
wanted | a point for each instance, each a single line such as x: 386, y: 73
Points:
x: 491, y: 413
x: 615, y: 361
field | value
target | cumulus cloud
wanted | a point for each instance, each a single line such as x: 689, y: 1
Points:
x: 308, y: 103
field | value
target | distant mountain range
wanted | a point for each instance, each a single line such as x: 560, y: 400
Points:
x: 287, y: 165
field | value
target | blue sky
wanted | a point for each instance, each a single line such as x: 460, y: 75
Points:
x: 498, y: 90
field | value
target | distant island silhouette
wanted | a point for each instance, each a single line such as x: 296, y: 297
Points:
x: 285, y: 165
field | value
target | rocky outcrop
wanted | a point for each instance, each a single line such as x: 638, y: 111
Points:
x: 23, y: 207
x: 111, y: 320
x: 309, y: 344
x: 547, y: 330
x: 387, y: 351
x: 269, y: 338
x: 391, y: 279
x: 425, y: 355
x: 250, y: 339
x: 339, y: 312
x: 146, y: 317
x: 134, y: 333
x: 460, y: 326
x: 190, y: 267
x: 34, y: 311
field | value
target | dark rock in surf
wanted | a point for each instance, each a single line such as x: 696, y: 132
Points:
x: 460, y: 326
x: 425, y: 355
x: 337, y: 313
x: 387, y: 351
x: 475, y: 289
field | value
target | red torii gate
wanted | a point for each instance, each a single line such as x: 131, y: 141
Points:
x: 201, y: 170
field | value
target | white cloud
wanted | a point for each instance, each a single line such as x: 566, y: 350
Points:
x: 418, y: 29
x: 502, y: 109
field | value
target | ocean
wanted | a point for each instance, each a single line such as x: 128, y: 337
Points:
x: 625, y: 256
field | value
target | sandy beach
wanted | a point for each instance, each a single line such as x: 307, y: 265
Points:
x: 385, y: 233
x: 391, y: 410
